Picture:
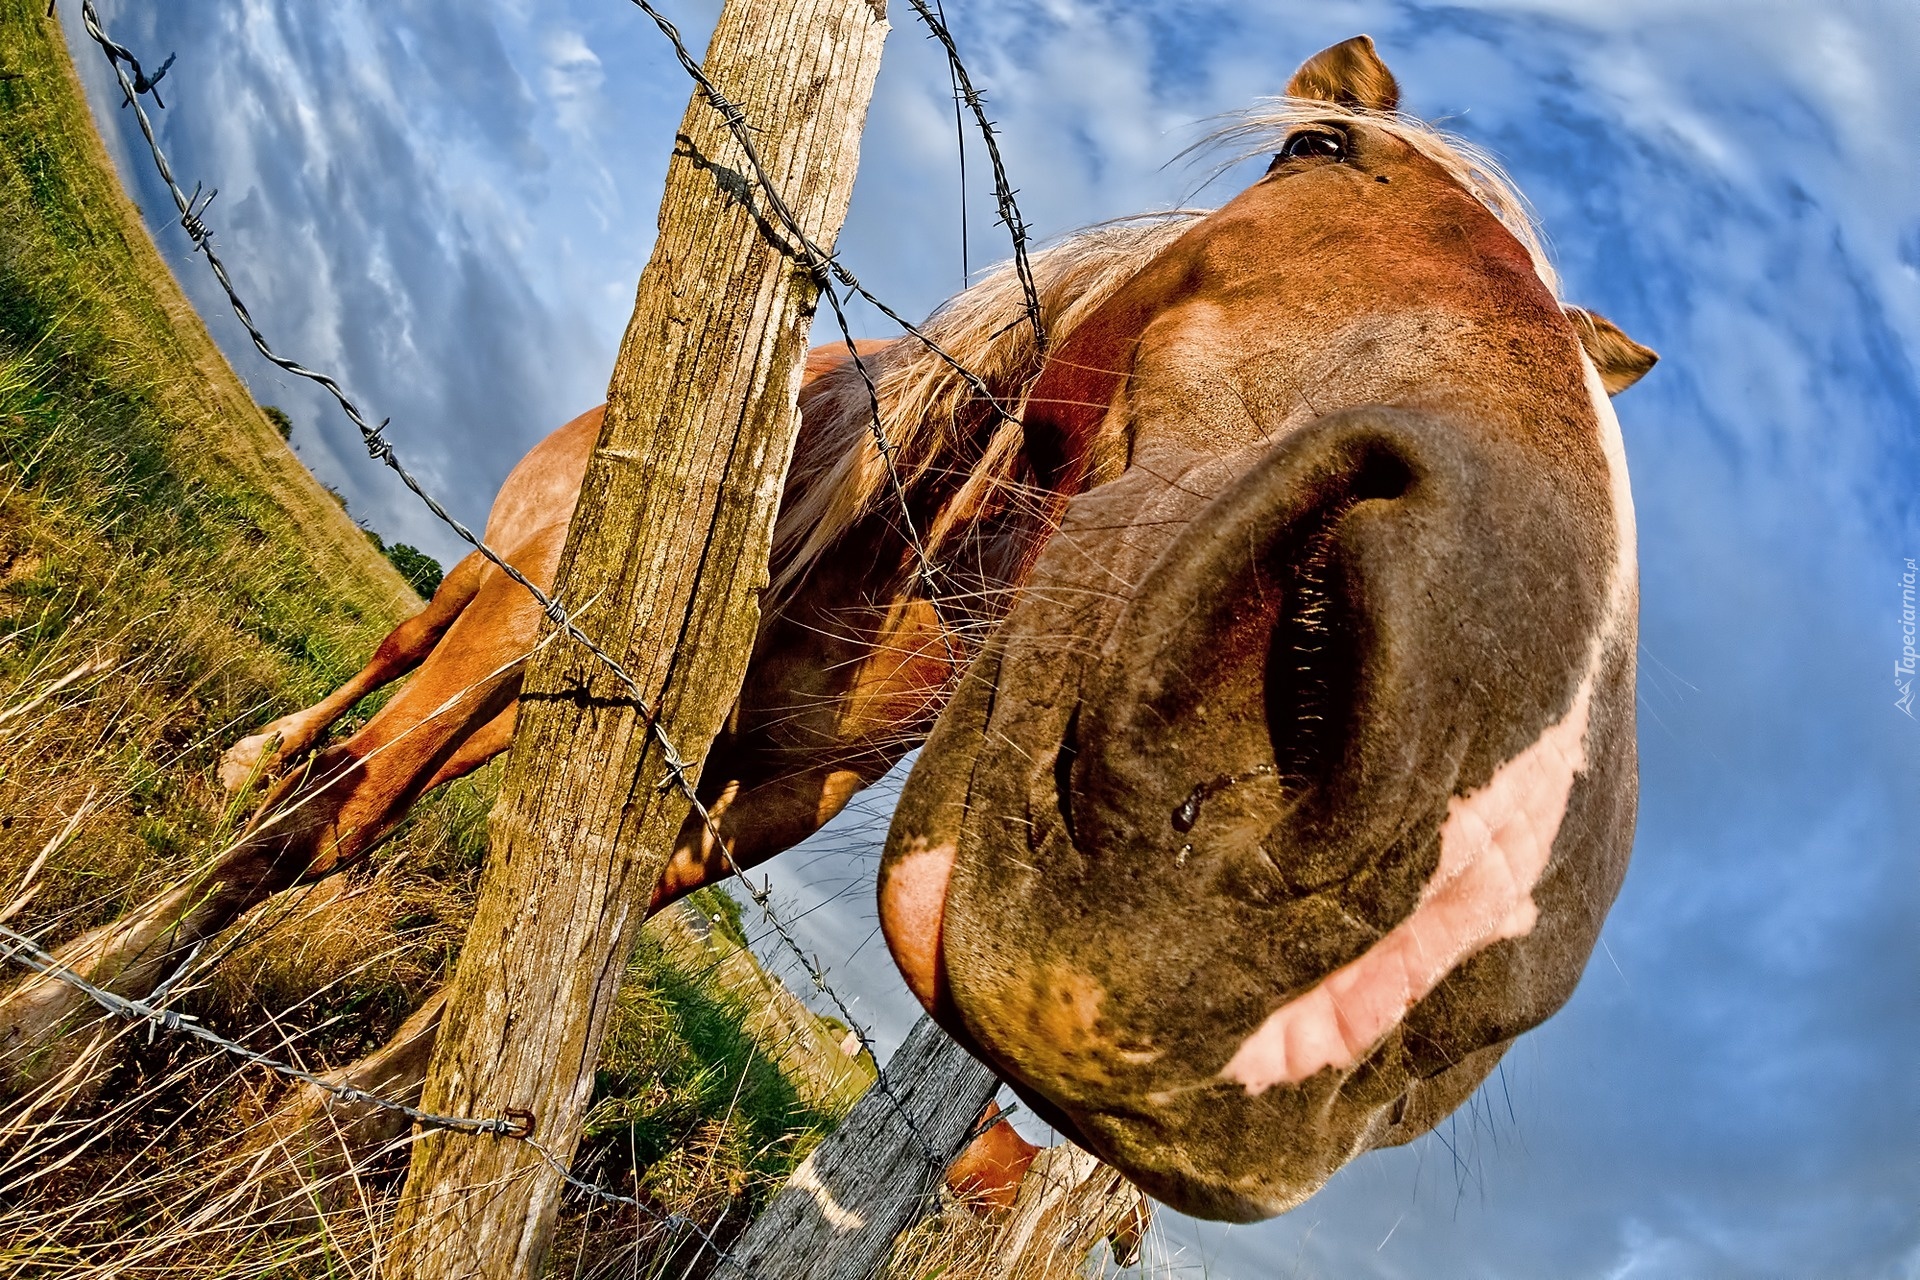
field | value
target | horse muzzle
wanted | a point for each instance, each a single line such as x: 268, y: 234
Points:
x: 1256, y: 834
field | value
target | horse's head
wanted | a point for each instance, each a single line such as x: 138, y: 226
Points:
x: 1301, y: 774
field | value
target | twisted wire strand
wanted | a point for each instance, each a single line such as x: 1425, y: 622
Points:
x: 24, y: 950
x: 935, y: 19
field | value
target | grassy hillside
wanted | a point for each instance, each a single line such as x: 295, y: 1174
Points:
x: 171, y: 577
x: 161, y: 549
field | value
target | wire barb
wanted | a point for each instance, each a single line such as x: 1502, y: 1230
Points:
x: 192, y: 217
x: 1003, y: 191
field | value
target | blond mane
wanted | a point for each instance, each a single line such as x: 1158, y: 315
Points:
x: 931, y: 413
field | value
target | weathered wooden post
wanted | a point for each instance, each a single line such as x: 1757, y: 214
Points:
x: 670, y: 544
x: 875, y: 1175
x: 841, y: 1214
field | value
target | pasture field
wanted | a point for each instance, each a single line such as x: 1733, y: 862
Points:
x: 170, y: 577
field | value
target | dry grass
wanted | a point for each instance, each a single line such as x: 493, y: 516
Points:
x: 161, y: 1166
x: 175, y: 1167
x: 1074, y: 1218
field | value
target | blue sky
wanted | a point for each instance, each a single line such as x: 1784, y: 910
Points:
x: 449, y: 204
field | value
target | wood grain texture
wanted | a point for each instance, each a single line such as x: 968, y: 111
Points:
x: 664, y: 564
x: 838, y: 1215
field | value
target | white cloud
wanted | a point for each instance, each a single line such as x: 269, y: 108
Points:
x: 572, y: 79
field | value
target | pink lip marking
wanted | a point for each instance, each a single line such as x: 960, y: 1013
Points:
x: 913, y: 902
x: 1494, y: 845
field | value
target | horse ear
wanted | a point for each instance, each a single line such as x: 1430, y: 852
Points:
x: 1620, y: 360
x: 1349, y: 74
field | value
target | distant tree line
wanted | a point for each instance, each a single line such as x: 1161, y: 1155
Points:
x: 422, y: 571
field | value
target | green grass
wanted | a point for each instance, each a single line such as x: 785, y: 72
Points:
x: 156, y: 534
x: 170, y: 578
x: 685, y: 1050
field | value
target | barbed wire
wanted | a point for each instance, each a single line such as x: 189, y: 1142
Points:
x: 154, y: 1012
x: 191, y: 210
x: 935, y: 19
x: 515, y: 1123
x: 825, y: 269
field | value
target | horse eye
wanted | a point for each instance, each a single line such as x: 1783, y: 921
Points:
x: 1314, y: 144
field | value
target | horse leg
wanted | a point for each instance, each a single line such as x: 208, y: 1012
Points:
x: 756, y: 823
x: 329, y: 1133
x: 486, y: 742
x: 315, y: 1129
x: 986, y: 1176
x: 404, y: 648
x: 312, y: 823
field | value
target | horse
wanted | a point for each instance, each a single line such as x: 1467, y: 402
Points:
x: 1268, y: 636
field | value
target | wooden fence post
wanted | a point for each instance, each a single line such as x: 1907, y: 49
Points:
x: 669, y: 545
x: 872, y: 1178
x: 846, y: 1211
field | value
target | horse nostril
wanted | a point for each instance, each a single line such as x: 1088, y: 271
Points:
x: 1311, y: 671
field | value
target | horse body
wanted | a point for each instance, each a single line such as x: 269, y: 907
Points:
x: 1292, y: 767
x: 817, y: 718
x: 844, y: 681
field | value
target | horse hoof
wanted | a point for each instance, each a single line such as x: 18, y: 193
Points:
x: 246, y: 760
